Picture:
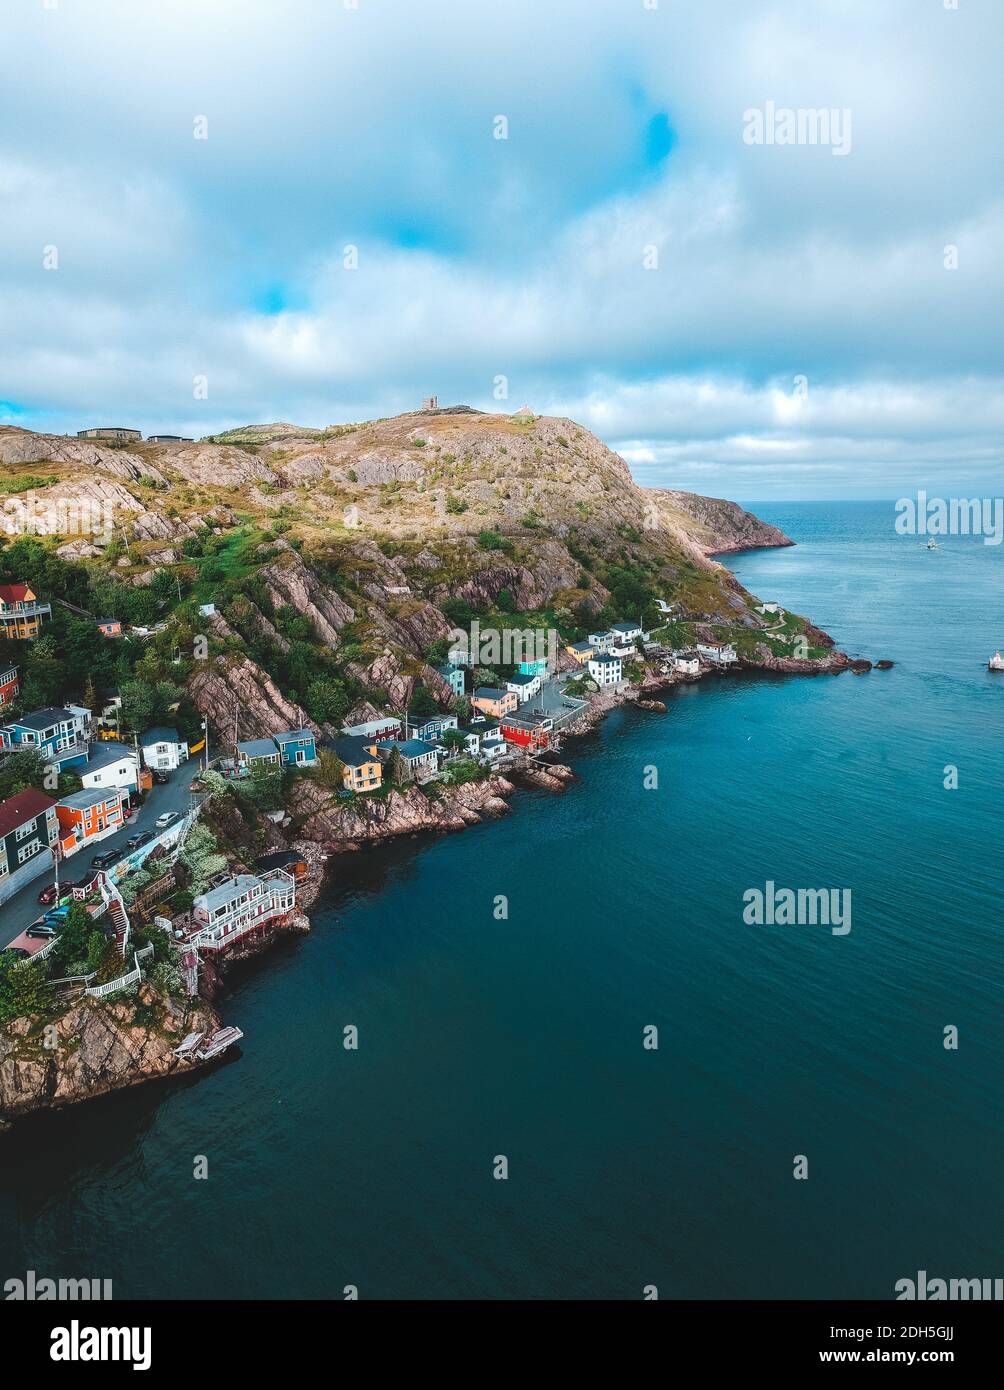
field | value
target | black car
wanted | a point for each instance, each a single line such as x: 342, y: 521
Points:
x: 41, y: 929
x: 138, y: 841
x: 105, y: 861
x: 161, y: 778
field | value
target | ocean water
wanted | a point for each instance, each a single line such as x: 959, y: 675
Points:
x: 523, y: 1038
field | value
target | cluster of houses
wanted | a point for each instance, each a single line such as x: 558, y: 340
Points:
x: 603, y: 653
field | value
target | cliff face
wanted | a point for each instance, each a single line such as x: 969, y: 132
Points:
x: 719, y: 526
x: 337, y: 824
x: 100, y: 1048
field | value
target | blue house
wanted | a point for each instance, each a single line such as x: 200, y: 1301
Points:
x: 297, y: 749
x: 60, y: 735
x: 453, y: 676
x: 257, y: 750
x: 434, y: 726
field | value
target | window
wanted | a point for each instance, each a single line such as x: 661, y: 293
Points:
x: 29, y: 828
x: 28, y: 851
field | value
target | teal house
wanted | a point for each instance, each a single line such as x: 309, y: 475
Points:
x: 537, y: 667
x: 297, y: 749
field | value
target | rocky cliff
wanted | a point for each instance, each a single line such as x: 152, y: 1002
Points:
x: 95, y: 1047
x: 338, y: 825
x: 721, y: 527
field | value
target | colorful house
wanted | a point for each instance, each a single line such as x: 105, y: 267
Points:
x: 490, y: 700
x: 296, y: 749
x: 243, y: 904
x: 109, y: 627
x: 420, y: 758
x: 10, y: 685
x: 536, y: 667
x: 528, y: 731
x: 433, y: 727
x: 163, y: 749
x: 453, y: 676
x: 58, y: 734
x: 88, y: 816
x: 29, y: 831
x: 21, y: 613
x: 582, y: 651
x: 605, y: 668
x: 362, y: 770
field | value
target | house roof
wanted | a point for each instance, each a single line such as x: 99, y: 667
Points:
x: 103, y: 755
x: 80, y: 801
x: 43, y: 718
x: 294, y: 736
x: 353, y: 750
x: 625, y: 627
x: 415, y: 748
x: 22, y: 807
x: 162, y: 734
x: 521, y: 680
x: 490, y: 692
x: 582, y: 646
x: 604, y: 659
x: 15, y: 593
x: 227, y: 892
x: 281, y: 859
x: 258, y: 748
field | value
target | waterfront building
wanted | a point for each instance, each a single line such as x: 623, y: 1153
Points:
x: 243, y: 904
x: 605, y: 668
x: 21, y: 612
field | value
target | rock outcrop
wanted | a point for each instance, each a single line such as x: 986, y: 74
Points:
x: 338, y: 825
x: 721, y: 527
x: 100, y: 1047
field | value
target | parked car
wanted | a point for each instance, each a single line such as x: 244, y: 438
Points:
x: 138, y: 841
x: 56, y: 916
x: 168, y: 818
x: 161, y: 778
x: 41, y: 929
x: 49, y: 894
x: 126, y: 810
x: 105, y: 861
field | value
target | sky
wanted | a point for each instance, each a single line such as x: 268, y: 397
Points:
x: 322, y: 211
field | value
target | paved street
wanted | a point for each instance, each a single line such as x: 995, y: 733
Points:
x: 21, y: 910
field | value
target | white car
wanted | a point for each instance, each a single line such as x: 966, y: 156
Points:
x: 168, y: 818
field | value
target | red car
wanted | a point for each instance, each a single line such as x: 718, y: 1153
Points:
x: 48, y: 895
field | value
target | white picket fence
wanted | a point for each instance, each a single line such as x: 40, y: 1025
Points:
x: 123, y: 982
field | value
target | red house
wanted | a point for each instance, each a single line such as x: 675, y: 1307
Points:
x: 530, y: 731
x: 10, y: 684
x: 87, y: 816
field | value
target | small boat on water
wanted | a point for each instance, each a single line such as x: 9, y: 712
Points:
x: 932, y: 544
x: 996, y: 662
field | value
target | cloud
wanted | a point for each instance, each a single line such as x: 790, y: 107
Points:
x: 522, y: 258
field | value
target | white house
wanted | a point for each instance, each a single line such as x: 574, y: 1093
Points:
x: 605, y: 668
x: 686, y: 663
x: 602, y: 641
x: 769, y: 608
x: 163, y: 749
x: 721, y: 653
x: 524, y: 687
x: 626, y: 634
x: 109, y: 765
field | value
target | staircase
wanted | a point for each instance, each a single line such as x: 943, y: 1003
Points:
x: 117, y: 913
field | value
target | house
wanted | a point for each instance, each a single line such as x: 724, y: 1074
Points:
x: 29, y: 831
x: 10, y: 684
x: 109, y: 432
x: 297, y: 748
x: 387, y: 726
x: 88, y: 816
x: 490, y: 700
x: 769, y: 608
x: 627, y: 634
x: 484, y: 740
x: 163, y: 749
x: 420, y: 758
x: 433, y: 727
x: 242, y: 904
x: 109, y: 627
x: 601, y: 641
x: 257, y: 751
x: 111, y: 765
x: 581, y: 651
x: 536, y: 666
x: 169, y: 439
x: 528, y: 731
x: 686, y: 663
x: 720, y: 653
x: 21, y: 613
x: 605, y: 669
x: 524, y: 687
x: 362, y: 770
x: 453, y: 676
x: 60, y: 735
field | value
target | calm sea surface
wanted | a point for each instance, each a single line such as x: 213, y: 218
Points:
x: 524, y: 1038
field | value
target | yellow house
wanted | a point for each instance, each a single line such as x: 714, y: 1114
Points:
x: 362, y: 770
x: 21, y: 613
x: 490, y: 700
x: 582, y: 651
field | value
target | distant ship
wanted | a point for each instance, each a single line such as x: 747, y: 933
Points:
x: 932, y: 544
x: 996, y: 662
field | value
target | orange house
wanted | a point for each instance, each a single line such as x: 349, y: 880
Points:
x: 88, y: 816
x: 490, y: 700
x: 21, y: 613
